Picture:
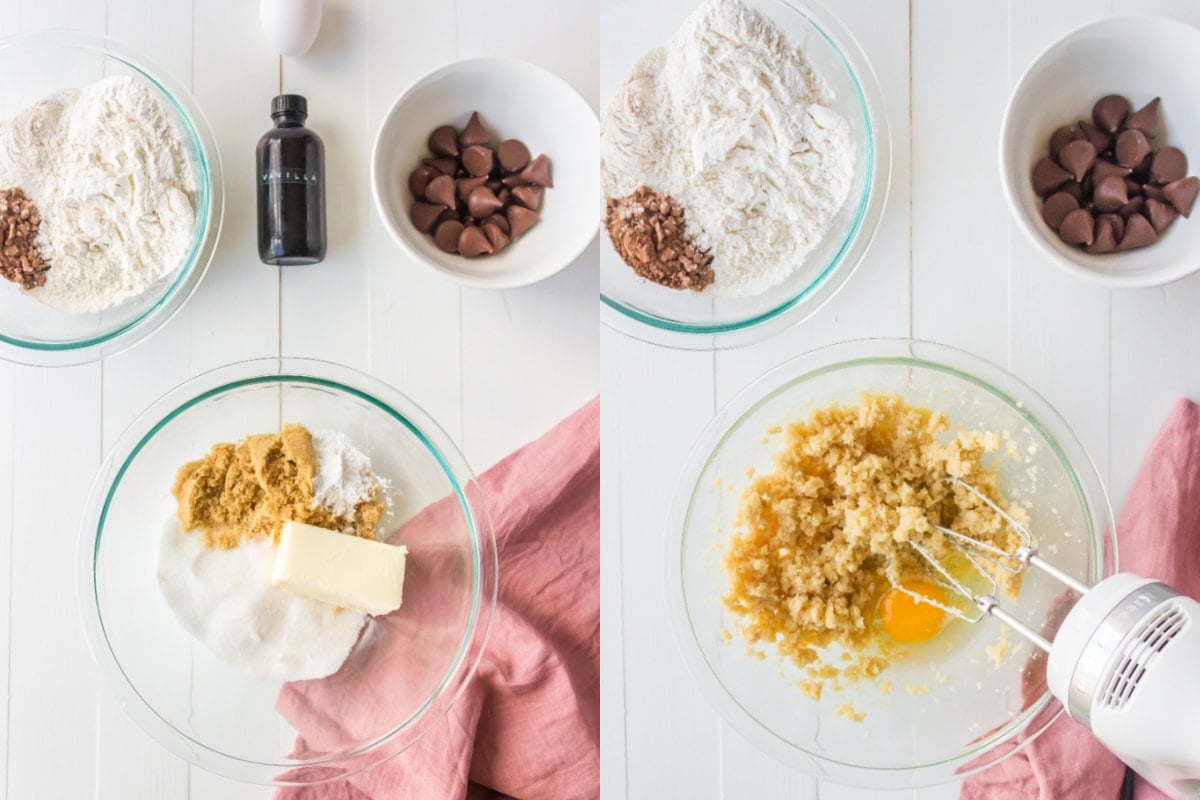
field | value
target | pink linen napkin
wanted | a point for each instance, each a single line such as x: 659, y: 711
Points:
x: 527, y: 726
x: 1158, y: 536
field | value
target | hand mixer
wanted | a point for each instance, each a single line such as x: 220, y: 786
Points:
x: 1125, y: 661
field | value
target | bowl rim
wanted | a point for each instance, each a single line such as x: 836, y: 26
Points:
x: 1037, y: 235
x: 466, y: 487
x: 209, y: 212
x: 871, y: 203
x: 500, y: 280
x: 787, y: 375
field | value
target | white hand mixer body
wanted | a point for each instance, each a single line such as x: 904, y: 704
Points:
x: 1125, y: 661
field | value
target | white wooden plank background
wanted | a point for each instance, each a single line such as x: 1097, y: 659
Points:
x: 495, y: 369
x: 948, y: 266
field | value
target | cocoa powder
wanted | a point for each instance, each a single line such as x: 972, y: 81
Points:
x: 647, y: 231
x: 20, y: 258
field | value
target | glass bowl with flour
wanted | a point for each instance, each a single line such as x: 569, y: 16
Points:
x: 110, y: 198
x: 218, y: 664
x: 763, y: 122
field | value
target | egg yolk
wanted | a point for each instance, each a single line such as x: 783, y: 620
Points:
x: 907, y: 619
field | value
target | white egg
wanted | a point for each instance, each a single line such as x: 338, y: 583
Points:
x: 291, y: 26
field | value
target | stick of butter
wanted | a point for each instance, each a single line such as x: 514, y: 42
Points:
x: 339, y: 569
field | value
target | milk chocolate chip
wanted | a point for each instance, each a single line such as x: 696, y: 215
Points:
x: 1048, y: 177
x: 475, y: 200
x: 444, y: 141
x: 478, y: 160
x: 446, y: 235
x: 1145, y: 119
x: 1168, y: 164
x: 473, y: 242
x: 473, y: 134
x: 1078, y: 227
x: 1077, y: 158
x: 512, y: 154
x: 1109, y: 112
x: 1110, y: 173
x: 1131, y: 148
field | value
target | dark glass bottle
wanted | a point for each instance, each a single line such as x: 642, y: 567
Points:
x: 291, y: 187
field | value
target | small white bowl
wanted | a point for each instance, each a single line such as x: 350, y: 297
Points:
x: 1141, y: 58
x: 516, y: 100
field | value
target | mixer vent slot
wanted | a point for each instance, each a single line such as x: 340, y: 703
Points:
x: 1144, y: 647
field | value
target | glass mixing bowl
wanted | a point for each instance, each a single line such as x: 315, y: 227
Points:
x: 33, y: 333
x: 700, y: 321
x: 952, y: 709
x: 215, y: 715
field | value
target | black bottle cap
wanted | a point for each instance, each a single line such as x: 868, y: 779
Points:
x: 289, y: 105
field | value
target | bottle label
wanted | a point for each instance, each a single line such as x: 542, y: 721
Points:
x: 300, y: 176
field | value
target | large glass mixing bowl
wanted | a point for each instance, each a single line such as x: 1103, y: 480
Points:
x: 972, y: 694
x: 34, y: 333
x: 217, y: 716
x: 700, y: 321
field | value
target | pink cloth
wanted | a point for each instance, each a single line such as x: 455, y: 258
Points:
x: 527, y: 726
x: 1158, y: 536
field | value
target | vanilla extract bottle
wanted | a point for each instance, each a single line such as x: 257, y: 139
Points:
x: 291, y: 187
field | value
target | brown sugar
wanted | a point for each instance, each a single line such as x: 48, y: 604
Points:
x: 239, y: 491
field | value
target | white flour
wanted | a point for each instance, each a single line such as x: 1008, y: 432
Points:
x: 108, y: 168
x: 732, y: 121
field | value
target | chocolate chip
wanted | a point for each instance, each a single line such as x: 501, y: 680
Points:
x: 1105, y: 239
x: 1131, y: 208
x: 1064, y: 135
x: 1161, y: 214
x: 446, y: 235
x: 464, y: 186
x: 419, y: 178
x: 473, y: 134
x: 444, y: 141
x: 1115, y: 221
x: 512, y: 154
x: 495, y: 186
x: 1078, y: 227
x: 498, y: 220
x: 1077, y: 158
x: 1099, y: 139
x: 1133, y: 188
x: 520, y: 219
x: 538, y: 172
x: 1168, y: 164
x: 1145, y: 119
x: 1105, y: 168
x: 473, y: 242
x: 441, y: 191
x: 1153, y: 192
x: 529, y: 196
x: 1109, y: 112
x: 446, y: 166
x: 1138, y: 233
x: 517, y: 179
x: 1131, y: 148
x: 1074, y: 189
x: 482, y: 202
x: 1110, y: 194
x: 497, y: 236
x: 1056, y: 207
x: 1182, y: 194
x: 478, y: 160
x: 1047, y: 177
x: 424, y: 215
